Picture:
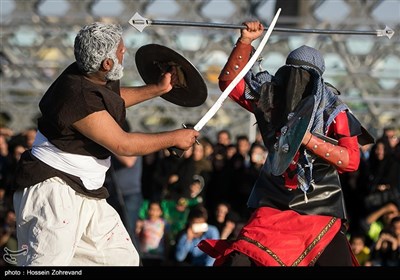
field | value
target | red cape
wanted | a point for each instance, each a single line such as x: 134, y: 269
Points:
x: 278, y: 238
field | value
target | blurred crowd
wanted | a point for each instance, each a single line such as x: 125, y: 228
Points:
x: 160, y: 197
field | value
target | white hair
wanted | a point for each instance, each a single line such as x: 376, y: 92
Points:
x: 94, y: 43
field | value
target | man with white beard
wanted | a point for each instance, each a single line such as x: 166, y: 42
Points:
x: 60, y: 199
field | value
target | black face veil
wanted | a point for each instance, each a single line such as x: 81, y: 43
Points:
x: 280, y: 97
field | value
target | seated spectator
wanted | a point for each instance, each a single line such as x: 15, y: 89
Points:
x: 360, y: 250
x: 175, y: 214
x: 225, y: 220
x: 376, y: 221
x: 383, y: 179
x: 196, y: 188
x: 386, y: 251
x: 395, y: 225
x: 186, y: 251
x: 8, y: 239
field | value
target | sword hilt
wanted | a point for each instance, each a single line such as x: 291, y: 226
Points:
x: 176, y: 152
x: 179, y: 152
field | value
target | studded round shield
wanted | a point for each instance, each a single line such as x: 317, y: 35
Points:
x: 153, y: 60
x: 291, y: 136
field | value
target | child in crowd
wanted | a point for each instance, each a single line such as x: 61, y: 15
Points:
x: 360, y: 250
x: 150, y: 232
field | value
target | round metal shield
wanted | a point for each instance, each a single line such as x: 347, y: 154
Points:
x: 291, y: 136
x: 152, y: 60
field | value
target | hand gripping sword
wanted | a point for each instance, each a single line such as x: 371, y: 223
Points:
x: 140, y: 23
x: 215, y: 107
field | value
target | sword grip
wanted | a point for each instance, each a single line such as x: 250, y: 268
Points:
x: 179, y: 152
x: 176, y: 152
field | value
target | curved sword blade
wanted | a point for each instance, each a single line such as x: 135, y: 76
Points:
x: 213, y: 110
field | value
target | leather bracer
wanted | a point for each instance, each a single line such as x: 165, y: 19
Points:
x: 335, y: 155
x: 238, y: 58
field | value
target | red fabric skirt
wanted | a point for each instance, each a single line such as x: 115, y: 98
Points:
x: 278, y: 238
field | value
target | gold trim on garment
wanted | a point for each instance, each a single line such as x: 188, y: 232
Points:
x: 302, y: 255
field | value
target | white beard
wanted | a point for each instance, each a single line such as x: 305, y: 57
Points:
x: 116, y: 72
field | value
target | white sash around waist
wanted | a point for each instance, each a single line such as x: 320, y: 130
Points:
x: 91, y: 170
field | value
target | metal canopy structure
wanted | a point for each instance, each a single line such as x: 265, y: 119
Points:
x: 37, y: 44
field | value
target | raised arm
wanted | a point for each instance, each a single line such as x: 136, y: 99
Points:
x: 238, y: 58
x: 135, y: 95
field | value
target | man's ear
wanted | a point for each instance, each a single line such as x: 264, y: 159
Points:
x: 107, y: 64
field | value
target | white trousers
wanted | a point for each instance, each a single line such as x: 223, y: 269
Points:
x: 61, y: 227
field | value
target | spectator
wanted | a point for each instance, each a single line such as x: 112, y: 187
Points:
x: 151, y: 235
x: 196, y: 229
x: 384, y: 178
x: 225, y: 220
x: 386, y: 251
x: 8, y: 239
x: 360, y: 249
x: 224, y: 137
x: 378, y: 220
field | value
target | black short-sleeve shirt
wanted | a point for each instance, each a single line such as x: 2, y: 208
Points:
x: 70, y: 98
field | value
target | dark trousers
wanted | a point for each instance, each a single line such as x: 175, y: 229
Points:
x: 337, y: 253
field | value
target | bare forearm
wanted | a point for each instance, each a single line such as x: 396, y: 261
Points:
x: 145, y: 143
x: 388, y: 208
x: 122, y: 143
x: 136, y: 95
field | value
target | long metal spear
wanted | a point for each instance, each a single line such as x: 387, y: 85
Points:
x: 140, y: 23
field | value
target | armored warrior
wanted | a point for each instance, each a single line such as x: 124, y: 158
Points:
x: 299, y: 217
